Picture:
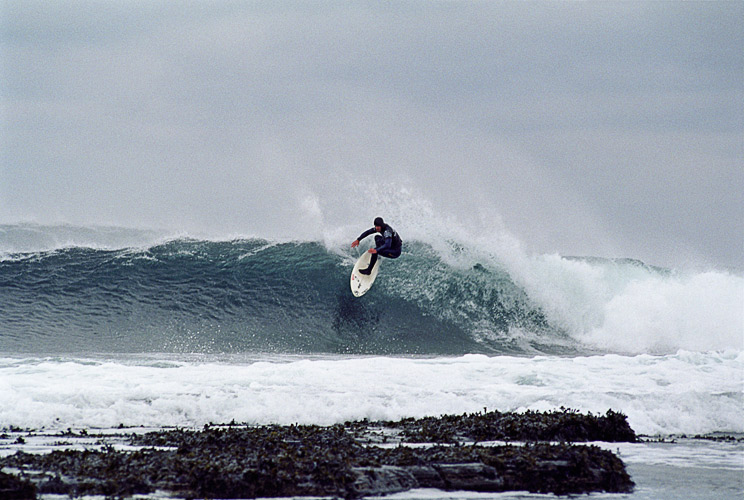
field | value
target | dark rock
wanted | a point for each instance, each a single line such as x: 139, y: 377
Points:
x: 56, y: 485
x: 470, y: 477
x: 382, y: 480
x: 15, y: 488
x: 427, y: 476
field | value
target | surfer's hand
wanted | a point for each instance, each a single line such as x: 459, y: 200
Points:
x: 354, y: 243
x: 372, y: 250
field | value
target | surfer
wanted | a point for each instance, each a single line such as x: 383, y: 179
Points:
x: 387, y: 243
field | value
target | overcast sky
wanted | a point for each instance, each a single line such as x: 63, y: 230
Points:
x: 584, y: 128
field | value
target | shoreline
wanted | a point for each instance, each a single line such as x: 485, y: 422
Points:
x: 483, y: 452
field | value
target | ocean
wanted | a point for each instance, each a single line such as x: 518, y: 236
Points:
x: 109, y: 327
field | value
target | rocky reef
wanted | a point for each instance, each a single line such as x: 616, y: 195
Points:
x: 562, y: 425
x: 350, y: 460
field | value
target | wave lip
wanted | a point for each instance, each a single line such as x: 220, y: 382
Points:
x: 37, y: 238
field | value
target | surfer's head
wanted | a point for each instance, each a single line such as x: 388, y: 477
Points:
x: 379, y: 222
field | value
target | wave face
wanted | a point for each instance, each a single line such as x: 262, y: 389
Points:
x: 254, y: 295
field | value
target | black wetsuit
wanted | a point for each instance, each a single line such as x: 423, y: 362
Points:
x: 388, y: 245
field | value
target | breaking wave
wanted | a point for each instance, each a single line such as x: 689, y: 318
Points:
x: 255, y: 295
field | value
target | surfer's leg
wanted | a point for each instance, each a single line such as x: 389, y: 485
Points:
x: 372, y: 262
x: 379, y: 240
x: 391, y: 254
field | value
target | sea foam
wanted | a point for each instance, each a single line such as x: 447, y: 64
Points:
x: 682, y: 393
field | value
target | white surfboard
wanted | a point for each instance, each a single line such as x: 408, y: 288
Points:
x: 361, y: 283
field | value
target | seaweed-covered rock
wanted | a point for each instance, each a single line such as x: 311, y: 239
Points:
x: 270, y: 461
x: 564, y: 425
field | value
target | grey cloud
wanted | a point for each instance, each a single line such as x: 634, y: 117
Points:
x: 601, y: 128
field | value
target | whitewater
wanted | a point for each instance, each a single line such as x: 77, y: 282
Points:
x: 108, y: 327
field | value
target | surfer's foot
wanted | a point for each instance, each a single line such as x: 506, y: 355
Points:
x: 365, y: 271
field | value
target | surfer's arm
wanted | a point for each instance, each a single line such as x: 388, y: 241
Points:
x: 366, y: 233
